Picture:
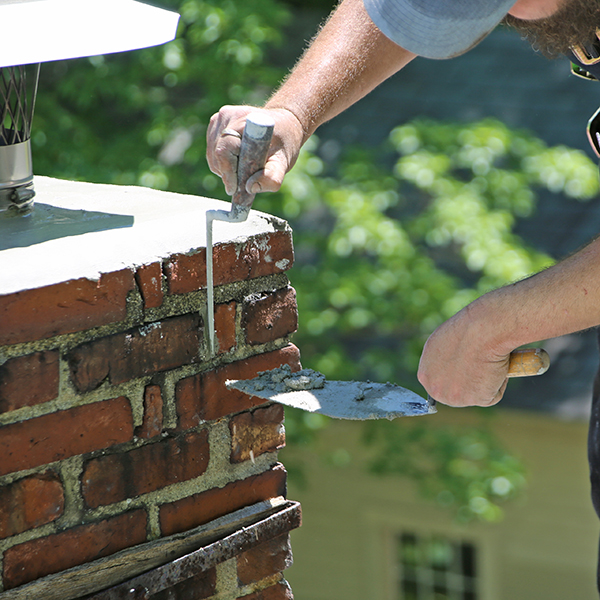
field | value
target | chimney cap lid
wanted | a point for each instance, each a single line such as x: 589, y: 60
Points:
x: 36, y: 31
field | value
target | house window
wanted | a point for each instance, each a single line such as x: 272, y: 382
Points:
x: 436, y: 568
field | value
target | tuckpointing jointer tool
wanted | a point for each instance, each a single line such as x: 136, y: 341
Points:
x: 254, y: 147
x: 309, y: 390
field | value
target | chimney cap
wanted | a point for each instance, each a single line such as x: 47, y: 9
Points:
x: 35, y: 31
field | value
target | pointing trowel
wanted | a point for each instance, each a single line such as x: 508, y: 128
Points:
x: 310, y: 391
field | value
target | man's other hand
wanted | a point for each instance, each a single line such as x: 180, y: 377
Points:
x: 461, y: 364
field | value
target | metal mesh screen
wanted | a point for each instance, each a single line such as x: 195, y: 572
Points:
x: 18, y: 87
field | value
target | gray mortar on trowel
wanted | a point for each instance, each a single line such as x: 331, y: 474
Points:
x: 309, y: 390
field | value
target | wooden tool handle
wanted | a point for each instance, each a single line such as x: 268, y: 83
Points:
x: 531, y: 361
x: 253, y: 154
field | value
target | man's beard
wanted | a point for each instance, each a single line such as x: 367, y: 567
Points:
x: 575, y: 22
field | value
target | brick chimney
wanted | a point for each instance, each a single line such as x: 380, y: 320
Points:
x: 127, y: 469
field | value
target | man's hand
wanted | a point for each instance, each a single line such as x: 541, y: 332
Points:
x: 336, y: 71
x: 223, y: 147
x: 461, y: 365
x: 465, y: 361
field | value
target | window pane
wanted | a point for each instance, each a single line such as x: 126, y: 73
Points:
x: 410, y: 590
x: 468, y: 560
x: 409, y: 550
x: 441, y: 554
x: 435, y: 568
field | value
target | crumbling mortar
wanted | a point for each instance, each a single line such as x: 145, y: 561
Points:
x: 173, y: 305
x: 167, y: 381
x: 258, y: 586
x: 238, y: 290
x: 228, y: 587
x: 227, y: 581
x: 240, y: 352
x: 246, y: 350
x: 135, y: 443
x: 134, y: 304
x: 76, y: 513
x: 136, y: 399
x: 154, y: 531
x: 26, y: 536
x: 134, y: 314
x: 70, y: 398
x: 229, y: 472
x: 133, y: 389
x: 135, y: 318
x: 101, y: 513
x: 10, y: 478
x: 70, y: 470
x: 210, y: 479
x: 240, y: 334
x: 177, y: 304
x: 219, y: 439
x: 67, y: 341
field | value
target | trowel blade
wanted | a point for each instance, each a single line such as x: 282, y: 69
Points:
x: 339, y: 399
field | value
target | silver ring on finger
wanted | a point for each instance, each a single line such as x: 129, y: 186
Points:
x: 233, y: 132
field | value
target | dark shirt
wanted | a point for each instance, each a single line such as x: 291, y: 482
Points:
x: 592, y: 71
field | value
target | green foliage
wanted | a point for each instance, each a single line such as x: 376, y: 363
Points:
x: 386, y: 255
x: 383, y: 255
x: 140, y: 117
x: 465, y: 470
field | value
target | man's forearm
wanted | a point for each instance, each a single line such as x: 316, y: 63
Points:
x: 465, y: 360
x: 348, y: 58
x: 563, y: 299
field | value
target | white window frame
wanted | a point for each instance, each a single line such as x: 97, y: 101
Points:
x: 383, y: 523
x: 427, y: 577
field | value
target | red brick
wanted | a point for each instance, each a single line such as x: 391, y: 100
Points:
x: 269, y: 558
x: 263, y: 255
x: 257, y: 432
x: 152, y: 424
x: 66, y: 433
x: 30, y: 502
x: 142, y: 351
x: 64, y: 307
x: 198, y: 509
x: 279, y: 591
x: 36, y: 558
x: 115, y: 477
x: 266, y: 254
x: 186, y: 272
x: 268, y: 317
x: 149, y: 280
x: 197, y: 587
x: 29, y: 380
x: 225, y: 326
x: 204, y: 397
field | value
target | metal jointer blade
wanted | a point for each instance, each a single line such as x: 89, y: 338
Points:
x: 253, y: 154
